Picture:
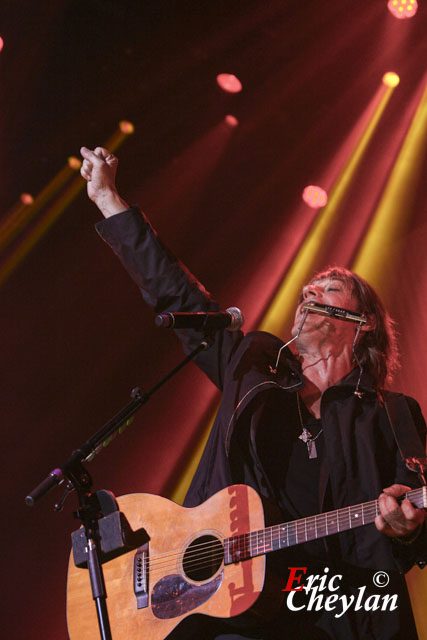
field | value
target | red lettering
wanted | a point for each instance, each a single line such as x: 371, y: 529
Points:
x: 294, y: 578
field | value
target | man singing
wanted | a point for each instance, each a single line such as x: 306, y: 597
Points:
x: 307, y: 426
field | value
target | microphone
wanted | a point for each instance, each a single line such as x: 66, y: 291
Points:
x: 335, y: 312
x: 231, y: 319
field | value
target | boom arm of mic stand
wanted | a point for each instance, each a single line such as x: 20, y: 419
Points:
x: 90, y: 511
x: 97, y: 442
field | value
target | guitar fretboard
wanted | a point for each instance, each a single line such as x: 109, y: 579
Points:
x: 288, y: 534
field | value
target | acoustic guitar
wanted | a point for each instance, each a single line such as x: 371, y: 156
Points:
x: 209, y: 559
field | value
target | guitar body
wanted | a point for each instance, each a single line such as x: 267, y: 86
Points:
x: 180, y: 581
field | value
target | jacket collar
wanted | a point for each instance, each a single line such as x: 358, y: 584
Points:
x: 349, y: 383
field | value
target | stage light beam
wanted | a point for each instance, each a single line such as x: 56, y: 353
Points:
x: 280, y: 313
x: 282, y: 308
x: 19, y: 218
x: 390, y: 219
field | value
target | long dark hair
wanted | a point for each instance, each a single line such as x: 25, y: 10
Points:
x: 377, y: 349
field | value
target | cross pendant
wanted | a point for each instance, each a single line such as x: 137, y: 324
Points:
x: 309, y: 441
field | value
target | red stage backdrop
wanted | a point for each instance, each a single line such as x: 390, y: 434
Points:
x: 225, y: 195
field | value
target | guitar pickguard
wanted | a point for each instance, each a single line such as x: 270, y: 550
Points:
x: 173, y: 596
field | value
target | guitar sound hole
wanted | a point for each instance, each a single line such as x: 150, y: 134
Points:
x: 202, y: 558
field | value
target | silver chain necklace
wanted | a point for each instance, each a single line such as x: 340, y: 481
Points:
x: 306, y: 436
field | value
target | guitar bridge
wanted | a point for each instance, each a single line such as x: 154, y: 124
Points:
x: 140, y: 576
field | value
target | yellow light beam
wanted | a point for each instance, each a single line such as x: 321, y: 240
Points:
x: 53, y: 213
x: 391, y: 216
x: 183, y: 483
x: 13, y: 218
x: 284, y: 303
x: 376, y: 255
x: 42, y: 226
x: 124, y: 130
x: 20, y: 215
x: 282, y: 308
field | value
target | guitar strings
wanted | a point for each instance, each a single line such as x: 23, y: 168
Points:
x: 289, y: 528
x: 295, y: 525
x: 199, y: 556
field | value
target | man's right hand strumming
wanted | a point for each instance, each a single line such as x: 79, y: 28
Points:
x: 99, y: 170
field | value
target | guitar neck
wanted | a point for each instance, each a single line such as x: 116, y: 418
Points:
x: 289, y: 534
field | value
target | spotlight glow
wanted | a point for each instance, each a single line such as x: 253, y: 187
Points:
x: 1, y: 43
x: 74, y: 163
x: 314, y: 196
x: 126, y: 127
x: 231, y: 120
x: 402, y: 9
x: 26, y: 198
x: 391, y: 79
x: 229, y: 83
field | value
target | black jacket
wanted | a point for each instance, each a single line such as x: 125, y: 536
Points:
x: 361, y: 454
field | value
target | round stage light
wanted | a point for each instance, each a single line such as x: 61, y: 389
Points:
x: 1, y: 43
x: 126, y: 127
x: 26, y: 198
x: 315, y: 196
x: 402, y: 9
x: 231, y: 120
x: 74, y: 163
x: 229, y: 83
x: 391, y: 79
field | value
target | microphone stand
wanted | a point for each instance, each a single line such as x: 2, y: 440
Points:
x: 106, y: 532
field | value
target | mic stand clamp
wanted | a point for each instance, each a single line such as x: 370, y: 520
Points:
x: 90, y: 511
x: 105, y: 534
x: 116, y: 536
